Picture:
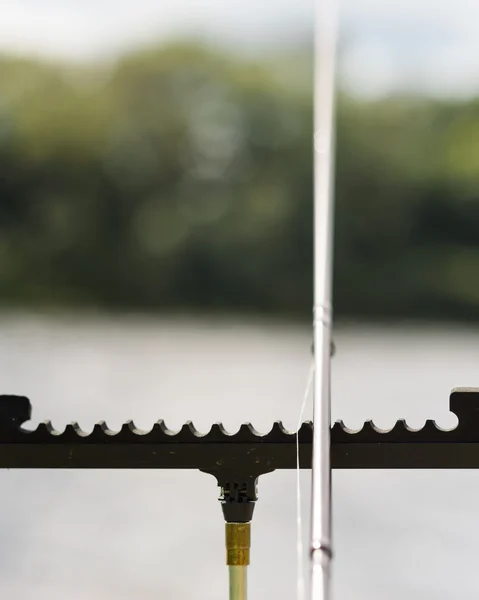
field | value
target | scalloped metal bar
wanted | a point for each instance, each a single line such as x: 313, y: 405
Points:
x: 247, y: 450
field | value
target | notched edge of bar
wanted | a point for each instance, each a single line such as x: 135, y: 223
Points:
x: 16, y: 410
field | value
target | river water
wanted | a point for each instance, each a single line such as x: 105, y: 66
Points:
x: 149, y: 535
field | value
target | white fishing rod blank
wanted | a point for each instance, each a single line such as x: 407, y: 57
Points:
x: 324, y: 114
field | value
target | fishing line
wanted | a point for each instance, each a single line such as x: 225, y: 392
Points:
x: 299, y: 518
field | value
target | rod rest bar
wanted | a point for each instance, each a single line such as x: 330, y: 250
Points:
x: 246, y: 453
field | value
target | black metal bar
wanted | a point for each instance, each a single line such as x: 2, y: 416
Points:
x: 245, y: 454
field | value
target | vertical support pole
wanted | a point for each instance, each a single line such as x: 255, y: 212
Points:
x: 238, y: 543
x: 238, y: 585
x: 324, y: 96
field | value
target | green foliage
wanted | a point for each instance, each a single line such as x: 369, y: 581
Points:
x: 180, y: 178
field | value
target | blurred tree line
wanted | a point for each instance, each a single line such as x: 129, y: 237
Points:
x: 180, y: 178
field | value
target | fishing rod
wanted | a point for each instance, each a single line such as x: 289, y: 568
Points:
x: 324, y: 113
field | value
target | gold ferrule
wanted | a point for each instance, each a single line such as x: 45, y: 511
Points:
x: 238, y: 543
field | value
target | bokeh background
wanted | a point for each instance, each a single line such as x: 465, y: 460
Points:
x: 156, y: 262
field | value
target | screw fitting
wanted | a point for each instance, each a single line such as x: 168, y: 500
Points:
x: 238, y: 543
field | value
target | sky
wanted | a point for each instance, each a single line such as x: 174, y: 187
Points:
x: 427, y: 46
